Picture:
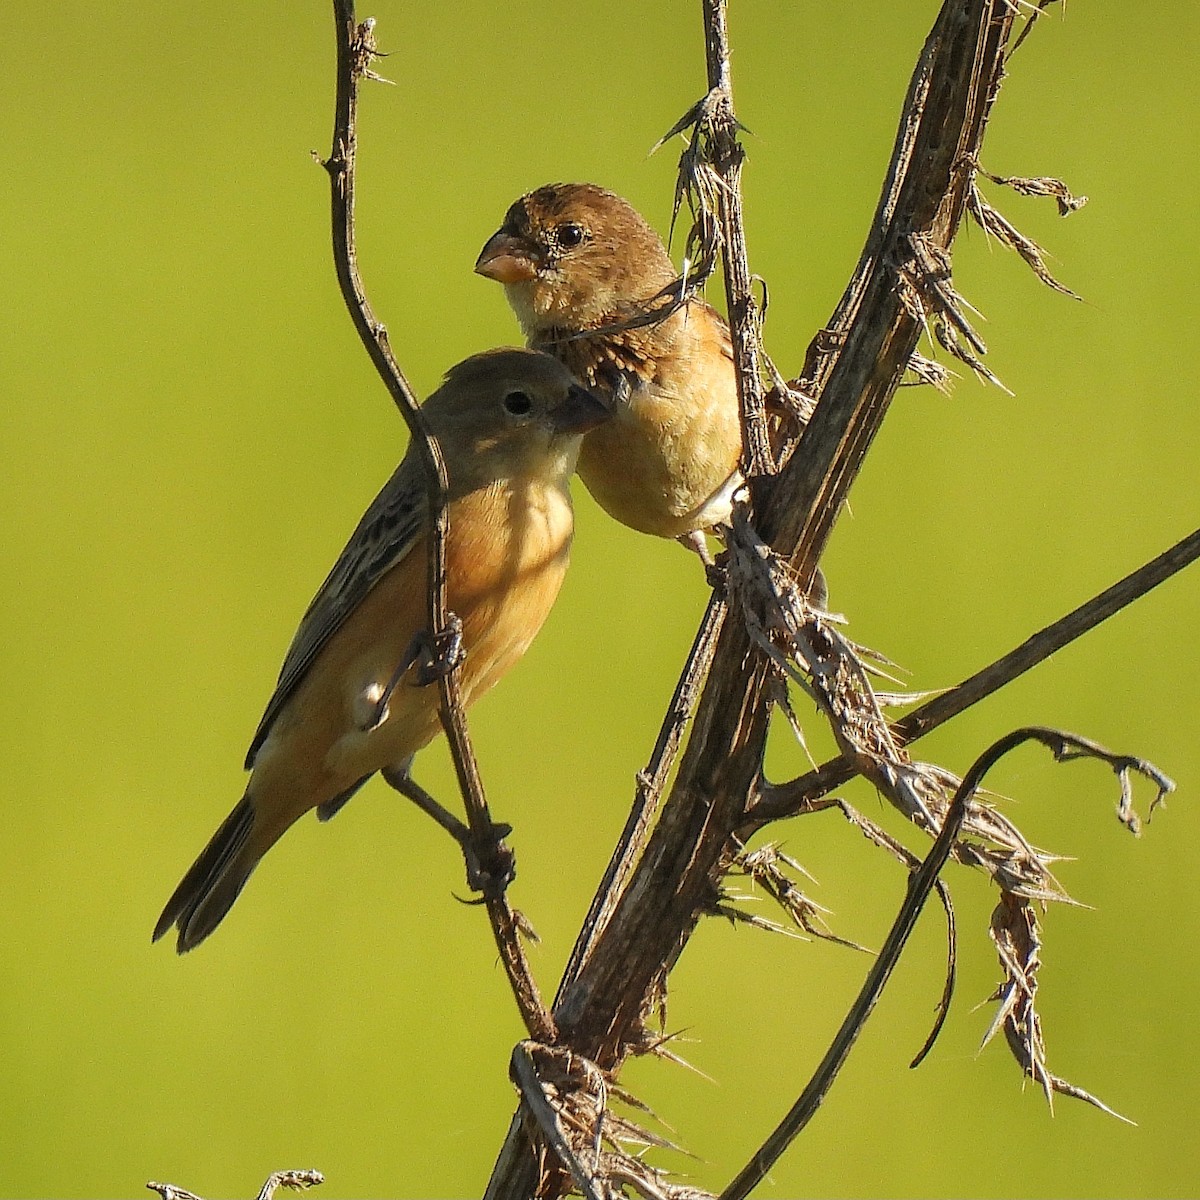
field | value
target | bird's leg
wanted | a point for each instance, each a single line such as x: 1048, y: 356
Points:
x: 433, y: 658
x: 379, y: 698
x: 697, y: 542
x: 491, y: 865
x: 714, y: 568
x: 441, y: 654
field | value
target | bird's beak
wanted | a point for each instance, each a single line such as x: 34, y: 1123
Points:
x: 580, y: 411
x: 505, y: 259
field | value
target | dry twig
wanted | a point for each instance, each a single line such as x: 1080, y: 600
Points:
x: 356, y: 52
x: 1018, y: 953
x: 296, y: 1180
x: 617, y: 976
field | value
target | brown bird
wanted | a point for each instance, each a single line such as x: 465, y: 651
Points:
x: 509, y: 423
x: 576, y: 260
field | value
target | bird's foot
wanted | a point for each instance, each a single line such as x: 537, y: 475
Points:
x: 491, y: 865
x: 441, y: 653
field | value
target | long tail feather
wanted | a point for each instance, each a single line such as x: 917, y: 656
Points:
x: 208, y: 890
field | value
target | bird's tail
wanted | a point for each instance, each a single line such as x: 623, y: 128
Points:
x: 208, y: 890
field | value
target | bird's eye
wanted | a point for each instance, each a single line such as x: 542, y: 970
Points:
x: 570, y: 235
x: 517, y: 403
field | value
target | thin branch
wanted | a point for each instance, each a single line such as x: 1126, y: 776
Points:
x: 798, y: 795
x: 1064, y: 746
x: 355, y: 53
x: 672, y: 883
x: 618, y: 976
x: 295, y: 1180
x: 726, y: 156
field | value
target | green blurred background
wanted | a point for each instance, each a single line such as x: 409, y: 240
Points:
x: 190, y: 430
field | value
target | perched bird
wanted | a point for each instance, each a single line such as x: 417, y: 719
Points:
x: 577, y: 261
x: 509, y: 424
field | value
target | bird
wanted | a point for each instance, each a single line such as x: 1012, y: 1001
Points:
x: 580, y: 266
x: 350, y: 699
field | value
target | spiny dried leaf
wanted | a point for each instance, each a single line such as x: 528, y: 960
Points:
x: 1040, y: 185
x: 928, y: 371
x: 296, y: 1180
x: 1003, y: 230
x: 1017, y: 937
x: 927, y: 291
x: 778, y: 695
x: 929, y: 272
x: 735, y: 916
x: 648, y: 1182
x: 949, y: 340
x: 763, y: 866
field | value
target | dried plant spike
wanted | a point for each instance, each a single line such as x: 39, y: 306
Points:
x: 296, y: 1180
x: 1015, y: 933
x: 1031, y: 20
x: 1040, y: 185
x: 1003, y: 230
x: 928, y: 371
x: 168, y: 1191
x: 763, y: 866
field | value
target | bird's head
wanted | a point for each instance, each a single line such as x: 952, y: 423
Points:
x: 573, y: 256
x: 509, y: 413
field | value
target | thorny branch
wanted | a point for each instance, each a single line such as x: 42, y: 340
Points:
x: 298, y: 1181
x: 718, y: 183
x: 356, y: 52
x: 800, y: 795
x: 1022, y: 961
x: 902, y: 287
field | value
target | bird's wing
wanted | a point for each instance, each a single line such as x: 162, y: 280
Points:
x: 389, y: 529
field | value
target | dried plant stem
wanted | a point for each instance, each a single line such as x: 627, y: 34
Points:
x: 1064, y: 746
x: 720, y: 769
x: 799, y: 795
x: 727, y: 157
x: 355, y: 53
x: 533, y: 1091
x: 295, y: 1180
x: 601, y: 1012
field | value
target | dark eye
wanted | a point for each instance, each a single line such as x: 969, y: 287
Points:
x: 570, y: 235
x: 517, y: 403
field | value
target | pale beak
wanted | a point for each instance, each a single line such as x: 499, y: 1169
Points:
x: 505, y: 259
x: 580, y: 411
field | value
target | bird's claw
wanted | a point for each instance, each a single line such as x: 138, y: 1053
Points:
x: 491, y: 865
x: 441, y: 653
x: 717, y: 573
